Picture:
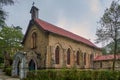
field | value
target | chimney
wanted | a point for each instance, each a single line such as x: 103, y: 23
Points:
x: 34, y: 12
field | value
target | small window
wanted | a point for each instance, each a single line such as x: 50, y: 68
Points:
x: 68, y: 56
x: 34, y: 39
x: 57, y: 55
x: 78, y: 58
x: 100, y: 64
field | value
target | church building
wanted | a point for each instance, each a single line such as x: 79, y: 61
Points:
x: 47, y: 46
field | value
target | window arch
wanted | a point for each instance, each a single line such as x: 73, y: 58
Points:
x: 78, y: 58
x: 34, y: 39
x: 57, y: 55
x: 68, y: 56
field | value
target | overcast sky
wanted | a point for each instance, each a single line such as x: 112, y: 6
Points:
x: 77, y: 16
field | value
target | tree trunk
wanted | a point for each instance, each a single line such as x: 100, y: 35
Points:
x: 115, y: 51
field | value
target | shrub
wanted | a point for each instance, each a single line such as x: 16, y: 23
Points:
x: 73, y: 74
x: 1, y: 65
x: 8, y: 71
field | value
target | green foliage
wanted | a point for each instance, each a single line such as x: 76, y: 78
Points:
x: 2, y: 17
x: 1, y: 59
x: 109, y: 29
x: 73, y: 74
x: 10, y: 39
x: 109, y: 49
x: 8, y: 71
x: 109, y: 24
x: 104, y: 52
x: 6, y: 2
x: 1, y: 65
x: 3, y: 14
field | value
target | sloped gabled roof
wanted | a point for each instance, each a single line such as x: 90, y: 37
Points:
x: 106, y: 57
x: 57, y: 30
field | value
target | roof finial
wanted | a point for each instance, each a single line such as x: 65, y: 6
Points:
x: 33, y: 3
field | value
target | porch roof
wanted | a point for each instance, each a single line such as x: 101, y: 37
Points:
x: 106, y: 57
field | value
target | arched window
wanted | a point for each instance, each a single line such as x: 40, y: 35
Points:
x: 68, y: 56
x: 78, y: 58
x: 84, y: 58
x: 91, y: 59
x: 34, y: 38
x: 57, y: 51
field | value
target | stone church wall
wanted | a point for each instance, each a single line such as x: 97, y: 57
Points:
x: 107, y: 64
x: 45, y: 50
x: 65, y: 43
x: 41, y: 44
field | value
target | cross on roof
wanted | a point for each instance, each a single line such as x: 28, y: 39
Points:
x: 33, y: 3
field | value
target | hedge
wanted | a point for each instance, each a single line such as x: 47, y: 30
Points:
x: 1, y: 65
x: 8, y: 71
x: 73, y: 75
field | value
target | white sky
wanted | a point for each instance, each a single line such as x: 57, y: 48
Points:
x: 77, y: 16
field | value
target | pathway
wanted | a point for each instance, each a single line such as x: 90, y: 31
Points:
x: 4, y: 77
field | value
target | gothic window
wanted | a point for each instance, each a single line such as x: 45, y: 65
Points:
x: 57, y: 51
x: 78, y: 58
x: 34, y: 38
x: 91, y: 59
x: 68, y: 56
x: 84, y: 58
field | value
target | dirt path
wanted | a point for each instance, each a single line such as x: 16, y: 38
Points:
x: 4, y: 77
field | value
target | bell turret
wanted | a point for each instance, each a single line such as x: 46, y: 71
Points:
x: 34, y: 12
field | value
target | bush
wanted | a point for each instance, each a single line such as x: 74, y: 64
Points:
x: 1, y: 65
x: 73, y: 74
x: 8, y: 71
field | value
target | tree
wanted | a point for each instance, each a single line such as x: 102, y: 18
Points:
x: 10, y: 41
x: 6, y: 2
x: 2, y: 12
x: 110, y: 27
x: 11, y: 38
x: 109, y: 48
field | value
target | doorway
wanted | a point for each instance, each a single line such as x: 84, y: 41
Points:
x: 18, y: 68
x: 31, y: 65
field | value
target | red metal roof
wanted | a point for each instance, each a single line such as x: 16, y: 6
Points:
x: 106, y: 57
x: 57, y: 30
